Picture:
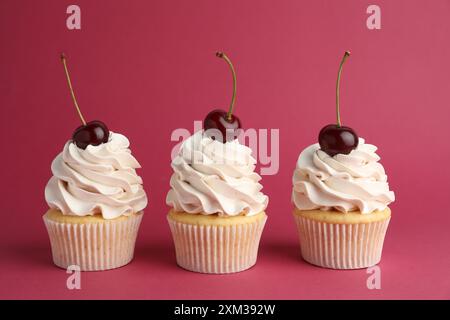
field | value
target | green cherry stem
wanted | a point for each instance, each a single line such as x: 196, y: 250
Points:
x: 233, y: 72
x: 338, y: 113
x: 63, y: 60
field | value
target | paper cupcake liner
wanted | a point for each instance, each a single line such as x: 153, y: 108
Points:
x: 216, y: 249
x: 93, y: 246
x: 341, y: 246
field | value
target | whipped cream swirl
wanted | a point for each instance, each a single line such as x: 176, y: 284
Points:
x: 98, y: 180
x: 211, y: 177
x: 356, y: 181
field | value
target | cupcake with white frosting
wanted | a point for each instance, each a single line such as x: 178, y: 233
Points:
x: 95, y: 196
x: 96, y: 202
x: 217, y: 214
x: 341, y: 197
x: 218, y: 209
x: 341, y: 207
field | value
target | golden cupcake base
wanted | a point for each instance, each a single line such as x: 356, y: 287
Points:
x: 214, y: 244
x: 91, y: 242
x: 337, y: 240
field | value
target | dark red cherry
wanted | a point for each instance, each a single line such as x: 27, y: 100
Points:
x: 93, y: 133
x: 227, y: 125
x: 219, y: 124
x: 334, y: 139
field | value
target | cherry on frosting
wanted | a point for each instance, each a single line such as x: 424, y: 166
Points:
x: 91, y: 133
x: 335, y: 138
x: 219, y: 120
x: 222, y: 121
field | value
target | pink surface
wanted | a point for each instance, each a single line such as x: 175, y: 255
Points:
x: 148, y: 67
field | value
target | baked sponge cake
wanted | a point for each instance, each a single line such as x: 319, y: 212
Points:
x: 217, y: 210
x: 96, y: 202
x: 341, y: 207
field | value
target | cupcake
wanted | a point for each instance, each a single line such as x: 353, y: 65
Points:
x: 341, y: 197
x: 217, y: 208
x: 96, y: 199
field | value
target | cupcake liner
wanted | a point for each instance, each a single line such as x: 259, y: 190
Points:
x: 216, y: 249
x: 341, y: 246
x: 93, y: 246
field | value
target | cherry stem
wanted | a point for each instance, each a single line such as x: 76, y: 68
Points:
x: 338, y: 113
x: 63, y: 60
x: 233, y: 72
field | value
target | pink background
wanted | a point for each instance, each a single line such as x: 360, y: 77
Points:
x: 148, y: 67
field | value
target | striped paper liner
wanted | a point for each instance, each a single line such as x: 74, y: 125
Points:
x: 216, y: 249
x: 93, y: 246
x: 341, y: 246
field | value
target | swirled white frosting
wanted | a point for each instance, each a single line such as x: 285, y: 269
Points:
x: 356, y: 181
x: 211, y: 177
x: 98, y: 180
